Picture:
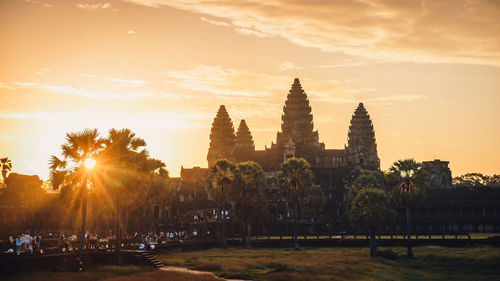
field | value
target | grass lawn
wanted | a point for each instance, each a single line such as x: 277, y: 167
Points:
x: 110, y: 273
x: 430, y: 263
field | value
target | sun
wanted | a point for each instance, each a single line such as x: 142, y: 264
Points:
x: 89, y: 163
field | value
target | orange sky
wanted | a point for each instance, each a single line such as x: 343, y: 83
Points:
x: 427, y: 71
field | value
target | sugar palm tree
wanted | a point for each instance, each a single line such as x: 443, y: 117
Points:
x: 409, y: 190
x: 247, y: 195
x: 295, y: 178
x: 220, y: 178
x: 122, y: 148
x: 73, y: 170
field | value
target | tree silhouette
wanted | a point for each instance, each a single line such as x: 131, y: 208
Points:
x: 295, y: 178
x: 122, y: 149
x: 409, y: 190
x: 70, y: 171
x: 367, y: 179
x: 221, y: 176
x: 370, y: 209
x: 477, y: 180
x: 247, y: 195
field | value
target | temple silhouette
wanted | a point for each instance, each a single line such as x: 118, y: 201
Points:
x: 333, y: 169
x: 297, y: 138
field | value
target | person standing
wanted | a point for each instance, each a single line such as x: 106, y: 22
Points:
x: 38, y: 239
x: 19, y: 242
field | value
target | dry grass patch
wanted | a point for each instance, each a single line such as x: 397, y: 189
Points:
x: 431, y: 263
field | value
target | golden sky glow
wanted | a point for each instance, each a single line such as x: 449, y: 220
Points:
x: 428, y: 73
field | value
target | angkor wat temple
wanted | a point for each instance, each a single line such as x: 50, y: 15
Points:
x: 297, y: 138
x: 332, y: 168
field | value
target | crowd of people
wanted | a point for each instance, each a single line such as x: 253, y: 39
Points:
x: 60, y: 242
x: 24, y: 243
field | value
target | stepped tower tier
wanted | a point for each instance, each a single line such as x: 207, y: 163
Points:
x: 297, y: 121
x: 361, y: 145
x: 222, y: 138
x: 244, y: 146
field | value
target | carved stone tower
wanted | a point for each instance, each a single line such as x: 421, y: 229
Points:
x: 222, y: 138
x: 244, y: 146
x: 361, y: 145
x: 297, y: 128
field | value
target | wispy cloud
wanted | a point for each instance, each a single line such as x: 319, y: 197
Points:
x: 131, y: 31
x: 88, y: 76
x: 400, y: 98
x: 430, y: 31
x: 287, y: 66
x: 215, y: 22
x: 5, y: 86
x: 221, y: 81
x: 164, y: 120
x: 94, y: 7
x: 46, y: 5
x: 73, y: 91
x: 5, y: 137
x: 127, y: 81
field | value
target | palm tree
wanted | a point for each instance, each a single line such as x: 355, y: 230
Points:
x: 295, y: 179
x: 122, y: 148
x: 247, y: 195
x: 73, y: 171
x: 409, y: 189
x: 370, y: 209
x: 5, y: 167
x: 220, y: 178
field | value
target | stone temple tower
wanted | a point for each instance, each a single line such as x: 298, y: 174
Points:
x: 244, y: 146
x: 297, y: 128
x: 361, y: 145
x: 222, y: 138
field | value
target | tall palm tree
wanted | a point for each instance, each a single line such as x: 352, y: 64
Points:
x: 70, y: 171
x: 294, y: 179
x: 247, y: 195
x: 5, y: 167
x: 409, y: 190
x: 220, y: 178
x: 122, y: 149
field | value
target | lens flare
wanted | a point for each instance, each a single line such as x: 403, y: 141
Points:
x: 89, y: 163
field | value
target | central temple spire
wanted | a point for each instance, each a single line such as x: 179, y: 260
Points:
x: 297, y: 120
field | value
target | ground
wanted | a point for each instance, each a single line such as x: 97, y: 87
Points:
x: 111, y: 273
x: 430, y: 263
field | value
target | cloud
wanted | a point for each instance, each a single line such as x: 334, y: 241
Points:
x: 5, y: 137
x: 131, y: 32
x: 400, y: 98
x: 94, y: 7
x: 6, y: 87
x: 164, y: 120
x: 73, y: 91
x: 287, y: 66
x: 126, y: 81
x: 88, y: 76
x: 215, y: 22
x: 448, y: 31
x: 46, y: 5
x: 221, y: 81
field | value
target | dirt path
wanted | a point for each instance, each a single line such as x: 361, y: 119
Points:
x: 195, y: 272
